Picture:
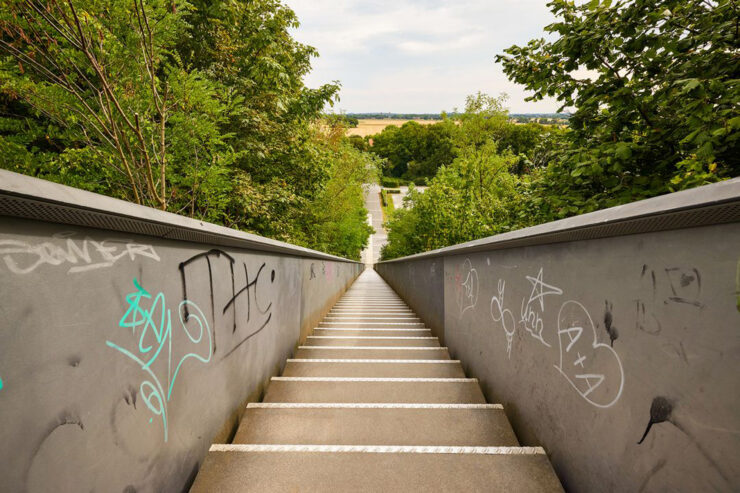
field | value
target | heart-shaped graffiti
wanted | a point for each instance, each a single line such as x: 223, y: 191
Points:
x: 592, y: 368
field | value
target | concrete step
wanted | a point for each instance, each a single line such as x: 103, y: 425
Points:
x: 378, y: 324
x: 378, y: 332
x: 369, y: 294
x: 369, y: 318
x: 350, y: 352
x: 367, y: 312
x: 456, y: 425
x: 395, y: 390
x: 372, y: 306
x: 396, y: 303
x: 245, y: 468
x: 349, y: 312
x: 358, y: 301
x: 435, y: 368
x: 372, y: 341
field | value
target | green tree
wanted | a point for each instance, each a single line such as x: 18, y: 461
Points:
x: 415, y: 150
x: 476, y: 195
x: 656, y: 109
x: 473, y: 197
x: 195, y: 107
x: 106, y: 74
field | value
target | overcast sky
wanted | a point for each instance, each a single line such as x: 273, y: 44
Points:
x: 418, y: 56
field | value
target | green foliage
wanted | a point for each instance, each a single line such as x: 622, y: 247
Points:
x: 358, y: 143
x: 390, y: 182
x: 655, y: 88
x: 473, y: 197
x: 386, y: 202
x: 195, y: 107
x: 659, y: 110
x: 337, y: 215
x: 476, y: 195
x: 415, y: 150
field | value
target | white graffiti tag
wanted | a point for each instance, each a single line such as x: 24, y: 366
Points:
x: 531, y: 318
x: 21, y: 257
x: 467, y: 287
x: 503, y: 315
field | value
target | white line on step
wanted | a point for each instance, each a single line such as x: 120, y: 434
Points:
x: 412, y: 329
x: 371, y: 337
x: 366, y: 405
x: 413, y: 324
x: 370, y: 318
x: 373, y: 379
x: 401, y: 313
x: 373, y: 328
x: 379, y: 449
x: 345, y: 360
x: 392, y: 348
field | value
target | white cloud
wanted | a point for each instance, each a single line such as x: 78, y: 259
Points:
x: 417, y: 55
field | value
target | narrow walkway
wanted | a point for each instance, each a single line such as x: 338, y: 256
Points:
x: 373, y: 403
x: 377, y: 240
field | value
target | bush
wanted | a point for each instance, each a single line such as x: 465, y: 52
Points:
x: 389, y: 182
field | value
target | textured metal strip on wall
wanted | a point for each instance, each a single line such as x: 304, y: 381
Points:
x: 728, y: 212
x: 721, y: 214
x: 26, y: 208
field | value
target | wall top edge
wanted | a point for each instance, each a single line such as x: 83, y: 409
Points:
x: 33, y: 198
x: 718, y: 203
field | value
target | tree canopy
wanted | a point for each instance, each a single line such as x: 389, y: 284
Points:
x: 654, y: 85
x: 195, y: 107
x: 654, y: 90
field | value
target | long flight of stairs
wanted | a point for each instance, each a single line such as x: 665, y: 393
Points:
x: 373, y: 403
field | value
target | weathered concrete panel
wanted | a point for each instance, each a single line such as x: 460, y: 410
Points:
x: 621, y: 355
x: 123, y: 356
x: 420, y: 283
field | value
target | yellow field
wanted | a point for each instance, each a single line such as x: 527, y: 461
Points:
x: 370, y: 127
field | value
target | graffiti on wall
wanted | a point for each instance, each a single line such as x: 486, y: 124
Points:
x: 584, y: 361
x: 532, y: 310
x: 593, y: 368
x: 82, y: 255
x: 675, y: 285
x: 235, y: 296
x: 150, y: 321
x: 466, y: 286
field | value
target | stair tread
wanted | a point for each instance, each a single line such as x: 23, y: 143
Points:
x: 373, y: 341
x: 372, y: 402
x: 366, y: 368
x: 374, y: 391
x: 345, y: 352
x: 230, y: 471
x: 376, y: 426
x: 378, y: 332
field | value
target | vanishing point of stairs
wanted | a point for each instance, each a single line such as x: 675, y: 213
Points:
x: 373, y: 403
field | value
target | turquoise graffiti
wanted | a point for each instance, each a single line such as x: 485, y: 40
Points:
x: 150, y: 322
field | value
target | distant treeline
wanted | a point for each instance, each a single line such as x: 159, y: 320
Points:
x: 398, y: 116
x: 439, y: 116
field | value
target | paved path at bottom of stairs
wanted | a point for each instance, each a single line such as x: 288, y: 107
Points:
x: 372, y: 402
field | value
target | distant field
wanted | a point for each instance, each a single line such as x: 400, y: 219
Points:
x: 370, y: 127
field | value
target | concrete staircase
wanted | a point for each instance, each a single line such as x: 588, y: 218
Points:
x: 372, y: 402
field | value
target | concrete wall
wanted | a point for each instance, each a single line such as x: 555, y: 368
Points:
x: 620, y: 355
x: 421, y: 283
x: 124, y: 356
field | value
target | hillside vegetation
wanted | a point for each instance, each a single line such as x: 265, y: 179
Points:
x: 194, y: 107
x: 659, y: 113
